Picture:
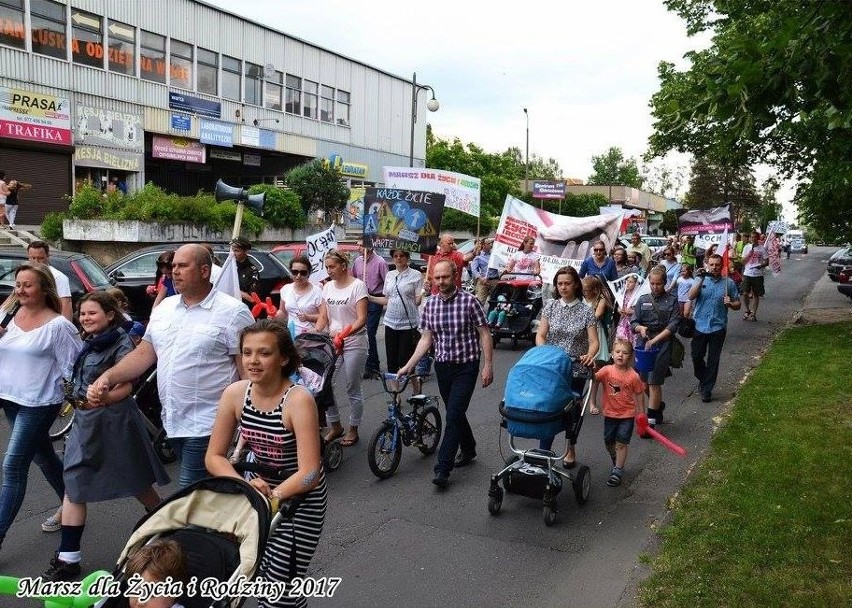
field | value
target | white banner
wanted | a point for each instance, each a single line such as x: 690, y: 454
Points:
x: 618, y: 288
x: 560, y: 240
x: 317, y: 246
x: 461, y: 191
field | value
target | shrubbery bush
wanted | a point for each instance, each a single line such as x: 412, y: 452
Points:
x: 153, y: 204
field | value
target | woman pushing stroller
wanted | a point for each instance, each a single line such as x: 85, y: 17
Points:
x: 280, y: 424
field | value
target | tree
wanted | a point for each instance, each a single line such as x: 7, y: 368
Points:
x: 775, y: 87
x: 612, y: 169
x: 282, y: 208
x: 713, y: 184
x: 318, y: 186
x: 664, y: 179
x: 669, y: 223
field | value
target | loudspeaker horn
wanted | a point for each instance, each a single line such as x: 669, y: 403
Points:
x: 224, y: 192
x: 255, y: 202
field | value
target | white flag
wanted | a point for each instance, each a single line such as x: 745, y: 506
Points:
x: 229, y: 281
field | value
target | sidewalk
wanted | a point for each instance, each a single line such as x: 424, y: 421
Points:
x: 824, y: 304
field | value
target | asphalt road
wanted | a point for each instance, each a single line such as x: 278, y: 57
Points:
x: 402, y: 542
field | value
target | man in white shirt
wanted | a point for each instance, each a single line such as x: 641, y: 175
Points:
x: 755, y: 259
x: 194, y: 339
x: 39, y: 253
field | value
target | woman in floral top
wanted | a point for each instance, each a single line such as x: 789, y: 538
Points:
x: 571, y: 325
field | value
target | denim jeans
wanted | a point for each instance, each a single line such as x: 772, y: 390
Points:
x: 709, y: 345
x: 456, y: 383
x: 190, y: 452
x: 29, y: 441
x: 374, y: 316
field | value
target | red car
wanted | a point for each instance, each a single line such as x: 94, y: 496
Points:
x: 844, y: 284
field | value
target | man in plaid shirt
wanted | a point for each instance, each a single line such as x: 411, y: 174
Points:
x: 454, y: 321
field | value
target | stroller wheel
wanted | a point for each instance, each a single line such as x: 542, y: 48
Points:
x: 332, y: 456
x: 163, y: 448
x: 582, y: 484
x: 62, y: 424
x: 549, y: 515
x: 494, y: 504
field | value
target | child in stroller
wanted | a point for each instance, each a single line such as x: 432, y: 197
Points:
x: 539, y: 403
x: 513, y: 305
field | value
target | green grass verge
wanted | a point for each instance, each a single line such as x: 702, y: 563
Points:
x: 767, y: 518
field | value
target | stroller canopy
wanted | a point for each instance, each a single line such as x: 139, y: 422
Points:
x: 540, y: 381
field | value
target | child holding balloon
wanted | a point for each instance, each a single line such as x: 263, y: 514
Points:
x: 623, y: 399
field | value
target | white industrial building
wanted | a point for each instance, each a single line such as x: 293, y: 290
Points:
x: 180, y: 93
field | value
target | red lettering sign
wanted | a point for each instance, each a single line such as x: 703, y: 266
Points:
x: 11, y: 28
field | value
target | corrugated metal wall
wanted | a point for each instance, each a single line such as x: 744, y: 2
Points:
x: 380, y: 102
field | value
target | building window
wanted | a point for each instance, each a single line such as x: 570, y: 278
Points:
x: 87, y: 39
x: 180, y: 65
x: 311, y: 109
x: 327, y: 104
x: 208, y: 72
x: 231, y: 70
x: 12, y: 19
x: 254, y: 84
x: 152, y: 57
x: 272, y: 94
x: 293, y: 103
x: 48, y: 28
x: 122, y: 47
x: 342, y: 109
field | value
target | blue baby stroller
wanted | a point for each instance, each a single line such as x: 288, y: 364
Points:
x: 546, y: 393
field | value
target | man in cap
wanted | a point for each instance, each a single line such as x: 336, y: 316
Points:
x: 247, y: 273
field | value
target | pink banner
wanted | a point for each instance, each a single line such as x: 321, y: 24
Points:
x: 177, y: 148
x: 29, y: 132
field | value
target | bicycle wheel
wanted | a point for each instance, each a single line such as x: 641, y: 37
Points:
x: 429, y: 426
x: 63, y: 422
x: 384, y: 454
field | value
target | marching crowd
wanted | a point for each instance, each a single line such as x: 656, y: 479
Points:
x: 219, y: 370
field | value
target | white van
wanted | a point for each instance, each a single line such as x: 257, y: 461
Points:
x: 796, y: 241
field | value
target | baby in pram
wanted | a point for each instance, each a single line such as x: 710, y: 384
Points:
x: 157, y: 562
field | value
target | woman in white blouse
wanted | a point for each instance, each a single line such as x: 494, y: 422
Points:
x: 37, y: 350
x: 403, y: 293
x: 300, y: 300
x: 525, y: 259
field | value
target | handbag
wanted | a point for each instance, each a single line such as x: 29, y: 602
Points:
x: 686, y: 327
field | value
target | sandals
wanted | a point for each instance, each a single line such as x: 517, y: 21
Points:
x: 614, y: 477
x: 594, y: 410
x: 53, y: 523
x: 335, y: 433
x: 349, y: 441
x: 746, y: 315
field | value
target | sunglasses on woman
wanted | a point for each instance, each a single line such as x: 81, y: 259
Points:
x: 297, y: 272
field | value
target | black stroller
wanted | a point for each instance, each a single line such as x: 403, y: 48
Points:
x: 513, y: 305
x: 221, y: 523
x: 545, y: 395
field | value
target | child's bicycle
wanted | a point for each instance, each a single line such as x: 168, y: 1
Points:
x: 421, y: 427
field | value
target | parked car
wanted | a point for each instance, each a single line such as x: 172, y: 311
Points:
x: 844, y: 285
x: 84, y: 273
x: 798, y: 245
x: 136, y: 271
x: 842, y: 258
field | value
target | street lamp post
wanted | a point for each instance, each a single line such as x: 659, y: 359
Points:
x: 432, y: 105
x: 527, y: 160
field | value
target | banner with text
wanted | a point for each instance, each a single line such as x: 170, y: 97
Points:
x: 706, y: 225
x: 317, y: 245
x: 355, y: 209
x: 559, y: 239
x: 461, y: 191
x: 110, y: 128
x: 402, y: 219
x: 35, y: 117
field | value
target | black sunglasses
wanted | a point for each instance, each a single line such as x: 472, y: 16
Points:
x: 297, y: 272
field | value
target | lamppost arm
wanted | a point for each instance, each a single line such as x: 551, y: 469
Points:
x: 432, y: 105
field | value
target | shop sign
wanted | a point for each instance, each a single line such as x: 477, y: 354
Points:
x: 257, y: 138
x: 181, y: 122
x: 194, y: 105
x: 251, y: 160
x: 100, y: 127
x: 178, y: 148
x: 549, y: 190
x: 107, y: 158
x: 226, y: 155
x: 217, y: 133
x: 344, y: 167
x: 35, y: 117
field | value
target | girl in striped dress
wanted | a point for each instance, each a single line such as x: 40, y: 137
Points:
x: 280, y: 426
